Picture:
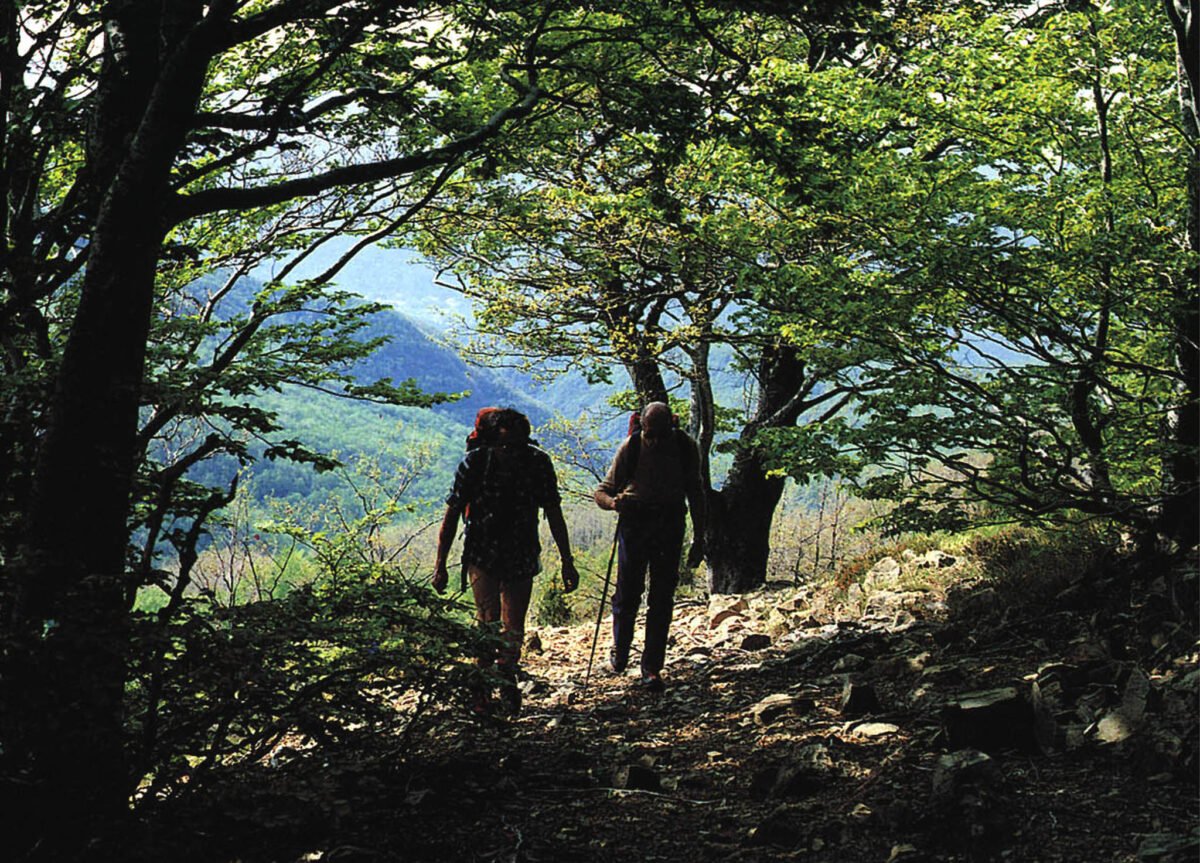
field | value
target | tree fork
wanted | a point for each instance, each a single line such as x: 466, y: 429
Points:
x: 738, y: 541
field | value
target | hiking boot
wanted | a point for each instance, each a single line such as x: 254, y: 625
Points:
x: 510, y: 697
x: 480, y: 703
x: 617, y: 661
x: 510, y: 692
x: 652, y: 681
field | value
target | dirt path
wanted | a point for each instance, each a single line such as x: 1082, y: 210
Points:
x: 705, y: 771
x: 790, y: 730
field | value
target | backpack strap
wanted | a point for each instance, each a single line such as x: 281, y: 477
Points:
x: 487, y: 474
x: 685, y: 452
x: 634, y: 448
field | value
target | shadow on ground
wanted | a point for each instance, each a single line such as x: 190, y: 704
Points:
x: 993, y: 723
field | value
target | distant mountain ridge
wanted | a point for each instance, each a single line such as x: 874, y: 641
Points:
x: 416, y: 347
x: 384, y: 275
x: 411, y: 352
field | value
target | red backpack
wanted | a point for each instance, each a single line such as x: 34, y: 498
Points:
x: 484, y: 431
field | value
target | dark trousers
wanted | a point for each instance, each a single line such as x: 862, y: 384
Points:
x: 646, y: 542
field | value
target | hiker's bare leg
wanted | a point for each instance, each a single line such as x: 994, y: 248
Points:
x: 486, y: 589
x: 514, y: 605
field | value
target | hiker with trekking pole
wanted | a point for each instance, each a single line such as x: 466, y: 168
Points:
x: 652, y: 482
x: 499, y: 486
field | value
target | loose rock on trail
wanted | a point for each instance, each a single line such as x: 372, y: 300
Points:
x: 890, y: 725
x: 903, y: 726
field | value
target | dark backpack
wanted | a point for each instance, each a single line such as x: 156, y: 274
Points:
x: 486, y: 435
x: 486, y: 432
x: 502, y: 499
x: 482, y: 434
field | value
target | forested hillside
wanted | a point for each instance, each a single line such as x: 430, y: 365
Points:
x: 354, y: 430
x: 417, y: 342
x: 920, y: 281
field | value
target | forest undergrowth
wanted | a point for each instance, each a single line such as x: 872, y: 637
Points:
x: 998, y: 699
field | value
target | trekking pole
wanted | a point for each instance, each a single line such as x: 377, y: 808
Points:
x: 600, y: 612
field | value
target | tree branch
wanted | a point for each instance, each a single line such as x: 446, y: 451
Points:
x: 215, y: 200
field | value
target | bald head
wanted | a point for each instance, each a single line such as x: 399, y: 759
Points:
x: 656, y: 420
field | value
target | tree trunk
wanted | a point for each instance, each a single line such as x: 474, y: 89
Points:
x: 703, y: 409
x: 1181, y: 504
x: 647, y: 381
x: 68, y: 673
x: 71, y: 605
x: 737, y: 542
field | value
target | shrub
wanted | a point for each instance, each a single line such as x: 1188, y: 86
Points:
x: 1037, y: 561
x: 551, y: 608
x: 224, y: 685
x: 853, y: 571
x: 309, y: 629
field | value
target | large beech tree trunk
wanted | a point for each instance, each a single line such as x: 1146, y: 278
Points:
x: 1181, y: 505
x: 739, y: 532
x: 71, y: 602
x: 741, y: 512
x: 65, y: 683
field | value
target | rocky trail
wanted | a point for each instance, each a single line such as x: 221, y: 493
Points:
x: 898, y: 724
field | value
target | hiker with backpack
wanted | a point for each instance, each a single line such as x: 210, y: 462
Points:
x: 499, y: 486
x: 653, y: 480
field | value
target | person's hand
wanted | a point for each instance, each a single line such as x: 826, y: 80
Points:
x: 625, y: 501
x: 570, y: 575
x: 695, y: 554
x: 440, y: 577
